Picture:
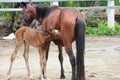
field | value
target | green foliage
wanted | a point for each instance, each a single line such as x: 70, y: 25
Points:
x: 117, y: 28
x: 66, y: 4
x: 103, y: 29
x: 117, y: 2
x: 103, y: 3
x: 91, y: 31
x: 43, y: 3
x: 5, y: 15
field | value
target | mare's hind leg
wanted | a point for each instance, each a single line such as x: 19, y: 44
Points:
x: 61, y: 62
x: 72, y: 61
x: 13, y: 56
x: 68, y: 48
x: 47, y: 50
x: 26, y: 57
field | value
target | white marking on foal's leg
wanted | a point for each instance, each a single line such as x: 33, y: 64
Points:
x: 31, y: 77
x: 42, y: 78
x: 47, y: 79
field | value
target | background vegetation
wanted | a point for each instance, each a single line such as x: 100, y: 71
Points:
x: 103, y: 29
x: 95, y: 25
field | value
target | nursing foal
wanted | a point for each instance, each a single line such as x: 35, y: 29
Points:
x: 36, y: 38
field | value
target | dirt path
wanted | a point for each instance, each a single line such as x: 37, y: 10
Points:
x: 102, y: 60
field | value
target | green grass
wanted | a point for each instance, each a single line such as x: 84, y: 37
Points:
x: 103, y: 29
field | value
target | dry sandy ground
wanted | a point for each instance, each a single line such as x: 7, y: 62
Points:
x: 102, y: 60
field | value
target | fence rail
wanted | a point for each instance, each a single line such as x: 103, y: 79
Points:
x: 80, y: 8
x: 7, y: 1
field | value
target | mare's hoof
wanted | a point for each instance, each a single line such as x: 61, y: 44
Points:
x: 62, y: 77
x: 73, y: 79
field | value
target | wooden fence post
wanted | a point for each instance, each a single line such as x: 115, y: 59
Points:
x: 54, y: 3
x: 111, y: 15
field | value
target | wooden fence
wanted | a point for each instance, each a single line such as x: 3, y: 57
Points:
x: 110, y: 8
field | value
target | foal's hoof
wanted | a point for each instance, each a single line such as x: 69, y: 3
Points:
x: 8, y: 78
x: 39, y: 77
x: 31, y: 77
x: 44, y: 78
x: 62, y: 77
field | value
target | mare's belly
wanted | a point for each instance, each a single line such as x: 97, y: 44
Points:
x: 58, y: 42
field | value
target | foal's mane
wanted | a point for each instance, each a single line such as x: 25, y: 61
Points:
x: 43, y: 11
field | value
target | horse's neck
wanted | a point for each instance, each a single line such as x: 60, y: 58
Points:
x: 43, y: 11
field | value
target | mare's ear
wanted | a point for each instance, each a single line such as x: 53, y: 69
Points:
x: 24, y: 4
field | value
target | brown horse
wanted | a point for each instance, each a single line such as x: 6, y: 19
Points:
x: 36, y: 38
x: 70, y: 23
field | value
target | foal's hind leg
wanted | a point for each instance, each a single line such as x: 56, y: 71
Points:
x: 13, y: 56
x: 61, y: 62
x: 43, y: 62
x: 26, y: 56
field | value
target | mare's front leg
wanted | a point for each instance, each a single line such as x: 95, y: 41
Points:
x: 61, y: 62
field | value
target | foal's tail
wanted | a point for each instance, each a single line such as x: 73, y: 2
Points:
x: 19, y: 35
x: 80, y: 45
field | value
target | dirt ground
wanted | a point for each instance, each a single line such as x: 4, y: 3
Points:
x: 102, y: 60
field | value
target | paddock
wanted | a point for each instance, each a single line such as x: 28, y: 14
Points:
x: 102, y: 60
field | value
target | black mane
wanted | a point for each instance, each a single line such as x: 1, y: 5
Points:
x: 43, y: 11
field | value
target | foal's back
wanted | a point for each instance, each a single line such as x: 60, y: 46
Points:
x: 30, y: 36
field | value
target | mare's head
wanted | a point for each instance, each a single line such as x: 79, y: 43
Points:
x: 31, y: 11
x: 28, y: 13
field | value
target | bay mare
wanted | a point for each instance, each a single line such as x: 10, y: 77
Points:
x: 70, y: 23
x: 36, y: 38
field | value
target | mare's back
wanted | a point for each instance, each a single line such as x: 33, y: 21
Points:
x: 70, y: 14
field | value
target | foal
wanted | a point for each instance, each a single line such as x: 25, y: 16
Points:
x: 38, y: 39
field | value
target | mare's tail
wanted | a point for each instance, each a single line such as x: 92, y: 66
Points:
x: 80, y: 47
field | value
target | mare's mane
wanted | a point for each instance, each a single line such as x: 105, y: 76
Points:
x: 43, y: 11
